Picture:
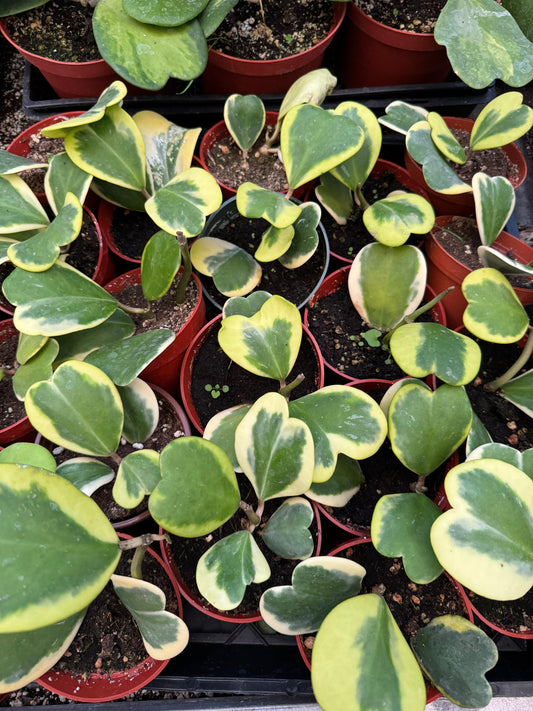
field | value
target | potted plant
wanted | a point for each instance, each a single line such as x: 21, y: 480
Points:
x: 15, y: 423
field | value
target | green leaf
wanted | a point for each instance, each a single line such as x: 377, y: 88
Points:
x: 400, y: 116
x: 287, y: 533
x: 511, y: 455
x: 344, y: 483
x: 275, y: 451
x: 164, y: 635
x: 483, y: 43
x: 63, y: 177
x: 75, y: 345
x: 245, y: 305
x: 491, y: 257
x: 198, y: 491
x: 494, y: 312
x: 123, y: 197
x: 317, y: 586
x: 234, y: 271
x: 37, y: 368
x: 361, y: 660
x: 221, y: 430
x: 502, y: 120
x: 244, y: 117
x: 519, y: 391
x: 159, y: 12
x: 444, y: 139
x: 521, y: 14
x: 137, y: 476
x: 141, y: 410
x: 86, y: 474
x: 393, y: 219
x: 401, y: 524
x: 29, y: 454
x: 305, y: 240
x: 12, y: 163
x: 68, y: 409
x: 214, y: 13
x: 494, y: 199
x: 335, y: 197
x: 28, y: 346
x: 256, y: 202
x: 355, y: 170
x: 19, y: 208
x: 40, y: 506
x: 228, y: 567
x: 477, y: 436
x: 160, y: 262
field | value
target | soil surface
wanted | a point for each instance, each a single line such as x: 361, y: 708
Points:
x: 512, y: 615
x: 40, y: 150
x: 491, y: 161
x: 409, y: 15
x: 130, y: 231
x: 12, y: 410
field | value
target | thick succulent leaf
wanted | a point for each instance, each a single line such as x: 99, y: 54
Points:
x: 287, y: 533
x: 5, y: 244
x: 361, y: 660
x: 148, y: 55
x: 355, y: 170
x: 57, y: 301
x: 400, y: 116
x: 502, y: 120
x: 393, y: 219
x: 483, y: 43
x: 335, y: 197
x: 244, y: 116
x: 491, y: 257
x: 256, y: 202
x: 314, y: 141
x: 183, y: 204
x: 245, y: 305
x: 417, y: 414
x: 342, y: 420
x: 63, y: 177
x: 494, y: 198
x: 275, y: 241
x: 234, y: 271
x: 159, y: 12
x: 68, y: 409
x: 28, y: 346
x: 41, y: 506
x: 437, y: 173
x: 387, y: 283
x: 505, y: 453
x: 519, y: 391
x: 164, y: 635
x: 345, y: 481
x: 160, y: 262
x: 19, y: 208
x: 444, y: 139
x: 424, y: 348
x: 214, y: 13
x: 123, y: 197
x: 12, y: 163
x: 198, y: 491
x: 317, y: 586
x: 141, y: 410
x: 274, y: 450
x: 137, y: 476
x: 76, y: 345
x: 228, y: 567
x: 28, y: 655
x: 477, y: 436
x: 401, y: 524
x: 455, y: 655
x: 522, y: 15
x: 29, y: 454
x: 37, y: 368
x: 311, y: 88
x: 221, y: 430
x: 305, y: 240
x: 266, y: 343
x: 494, y: 312
x: 485, y: 540
x: 86, y: 474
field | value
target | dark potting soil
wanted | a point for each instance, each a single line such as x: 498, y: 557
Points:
x: 409, y: 15
x: 213, y: 368
x: 491, y: 161
x: 512, y: 615
x: 60, y: 30
x: 187, y: 551
x: 131, y: 230
x: 293, y: 284
x: 288, y: 27
x: 40, y: 150
x: 12, y: 410
x: 84, y: 252
x: 108, y: 639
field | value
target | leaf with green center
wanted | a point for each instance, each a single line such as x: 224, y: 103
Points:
x: 485, y: 541
x: 417, y: 415
x: 437, y: 173
x: 387, y: 283
x: 342, y: 420
x: 160, y: 262
x: 344, y: 483
x: 494, y: 312
x: 36, y: 369
x: 444, y: 139
x: 63, y: 177
x: 362, y: 661
x: 422, y: 349
x: 317, y: 586
x: 86, y: 474
x: 29, y: 454
x: 244, y: 117
x: 75, y: 346
x: 19, y: 208
x: 355, y: 170
x: 141, y: 410
x: 275, y: 241
x: 287, y: 533
x: 393, y: 219
x: 221, y: 430
x: 137, y: 476
x: 57, y: 301
x: 494, y: 199
x: 401, y: 524
x: 5, y: 244
x: 11, y: 163
x: 266, y: 343
x: 228, y: 567
x: 501, y: 121
x: 505, y: 453
x: 41, y: 506
x: 256, y: 202
x: 313, y: 141
x: 305, y: 240
x: 39, y: 252
x: 148, y: 55
x: 214, y: 13
x: 274, y: 450
x: 483, y: 43
x: 198, y: 491
x: 245, y: 305
x: 183, y: 204
x: 491, y: 257
x: 159, y: 12
x: 123, y: 197
x: 400, y: 116
x: 164, y: 634
x: 335, y: 197
x: 455, y: 655
x: 519, y: 391
x: 68, y: 409
x: 477, y: 436
x: 234, y: 271
x: 28, y: 346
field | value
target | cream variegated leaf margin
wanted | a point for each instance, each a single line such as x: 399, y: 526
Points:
x: 494, y: 198
x: 400, y: 116
x: 485, y: 540
x: 335, y: 197
x: 256, y: 202
x: 511, y: 455
x: 501, y: 121
x: 141, y: 410
x: 344, y: 483
x: 87, y: 474
x: 234, y: 271
x: 19, y: 208
x: 444, y: 139
x: 355, y: 170
x: 137, y: 476
x: 393, y: 219
x: 221, y: 430
x: 362, y: 661
x: 63, y: 177
x: 12, y: 163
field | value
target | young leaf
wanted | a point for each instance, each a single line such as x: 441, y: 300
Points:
x: 444, y: 139
x: 501, y: 121
x: 137, y: 476
x: 234, y: 271
x: 393, y: 219
x: 305, y: 240
x: 86, y: 474
x: 19, y: 208
x: 287, y: 533
x: 256, y: 202
x: 335, y: 197
x: 245, y: 305
x: 63, y: 177
x: 245, y: 118
x: 141, y: 410
x: 355, y: 170
x: 400, y: 116
x: 29, y: 454
x: 221, y: 430
x: 160, y: 262
x: 494, y: 199
x: 35, y: 369
x: 344, y: 483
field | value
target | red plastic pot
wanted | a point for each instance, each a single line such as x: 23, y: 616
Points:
x: 187, y: 368
x: 498, y: 627
x: 444, y: 271
x: 106, y: 211
x: 373, y: 54
x: 21, y: 430
x: 101, y: 687
x: 164, y: 370
x: 463, y: 203
x: 228, y: 75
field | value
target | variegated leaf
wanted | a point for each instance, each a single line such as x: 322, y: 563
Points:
x: 502, y: 120
x: 19, y: 208
x: 28, y: 346
x: 160, y: 262
x: 305, y: 240
x: 221, y: 430
x: 77, y: 345
x: 400, y: 116
x: 157, y: 12
x: 519, y: 391
x: 335, y: 197
x: 491, y: 257
x: 505, y: 453
x: 234, y: 271
x: 444, y: 139
x: 63, y: 177
x: 12, y: 163
x: 37, y: 368
x: 123, y: 197
x: 344, y: 483
x: 244, y: 116
x: 393, y: 219
x: 275, y: 241
x: 494, y: 198
x: 28, y: 454
x: 86, y: 474
x: 137, y: 476
x: 355, y: 170
x: 311, y: 88
x: 287, y: 533
x: 256, y: 202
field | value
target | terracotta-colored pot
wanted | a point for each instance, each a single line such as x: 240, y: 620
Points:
x: 498, y: 627
x: 164, y: 370
x: 373, y: 54
x: 463, y: 203
x: 225, y: 74
x: 101, y: 687
x: 444, y: 271
x: 21, y: 430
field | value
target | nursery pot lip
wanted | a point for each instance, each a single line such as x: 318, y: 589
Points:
x: 395, y: 36
x: 101, y: 687
x: 495, y: 626
x: 23, y: 427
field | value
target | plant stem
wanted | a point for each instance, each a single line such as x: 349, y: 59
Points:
x: 187, y: 267
x: 498, y: 383
x: 285, y: 390
x: 146, y: 539
x: 410, y: 318
x: 360, y: 198
x: 134, y: 309
x: 116, y: 458
x: 419, y: 487
x: 137, y: 562
x: 250, y: 513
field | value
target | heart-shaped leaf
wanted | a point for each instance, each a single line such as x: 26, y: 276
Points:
x: 141, y: 410
x: 274, y: 243
x: 221, y: 430
x: 245, y: 305
x: 244, y: 117
x: 305, y: 239
x: 28, y: 453
x: 400, y: 116
x: 393, y: 219
x: 63, y: 177
x: 256, y: 202
x: 317, y: 586
x: 494, y: 198
x: 345, y: 481
x: 311, y: 88
x: 234, y: 271
x: 287, y: 533
x: 86, y: 474
x: 37, y: 368
x: 158, y: 12
x: 401, y: 524
x: 137, y: 476
x: 228, y: 567
x: 501, y: 121
x: 355, y: 170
